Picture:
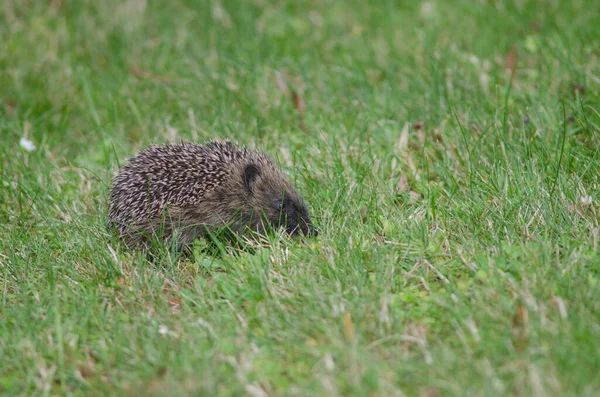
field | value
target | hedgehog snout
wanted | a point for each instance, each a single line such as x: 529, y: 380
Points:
x: 301, y: 224
x: 308, y: 229
x: 311, y: 231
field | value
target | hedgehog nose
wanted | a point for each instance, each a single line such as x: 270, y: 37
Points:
x: 312, y: 232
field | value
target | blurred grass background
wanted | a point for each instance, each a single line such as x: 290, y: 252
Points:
x: 448, y: 149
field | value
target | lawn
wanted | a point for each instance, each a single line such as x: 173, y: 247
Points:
x: 448, y: 151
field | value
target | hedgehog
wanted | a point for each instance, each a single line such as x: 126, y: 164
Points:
x: 183, y: 191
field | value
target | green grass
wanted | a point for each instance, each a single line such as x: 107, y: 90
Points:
x: 456, y: 259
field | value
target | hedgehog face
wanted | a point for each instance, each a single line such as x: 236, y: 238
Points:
x: 279, y: 202
x: 291, y: 214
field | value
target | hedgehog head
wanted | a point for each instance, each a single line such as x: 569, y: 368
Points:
x: 276, y: 201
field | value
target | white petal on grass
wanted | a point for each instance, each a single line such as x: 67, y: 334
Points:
x: 163, y: 329
x: 329, y: 363
x: 586, y: 200
x: 27, y: 144
x: 428, y: 10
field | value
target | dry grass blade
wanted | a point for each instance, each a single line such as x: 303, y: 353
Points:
x: 349, y: 331
x: 146, y: 75
x: 281, y: 84
x: 511, y: 61
x: 298, y: 102
x: 519, y: 331
x: 295, y: 97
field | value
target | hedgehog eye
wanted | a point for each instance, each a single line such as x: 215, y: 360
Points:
x: 279, y: 205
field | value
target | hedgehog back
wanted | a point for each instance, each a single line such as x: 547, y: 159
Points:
x: 176, y: 174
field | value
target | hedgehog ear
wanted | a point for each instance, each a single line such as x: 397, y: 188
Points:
x: 251, y: 173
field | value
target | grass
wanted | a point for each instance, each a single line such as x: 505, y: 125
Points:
x: 457, y: 207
